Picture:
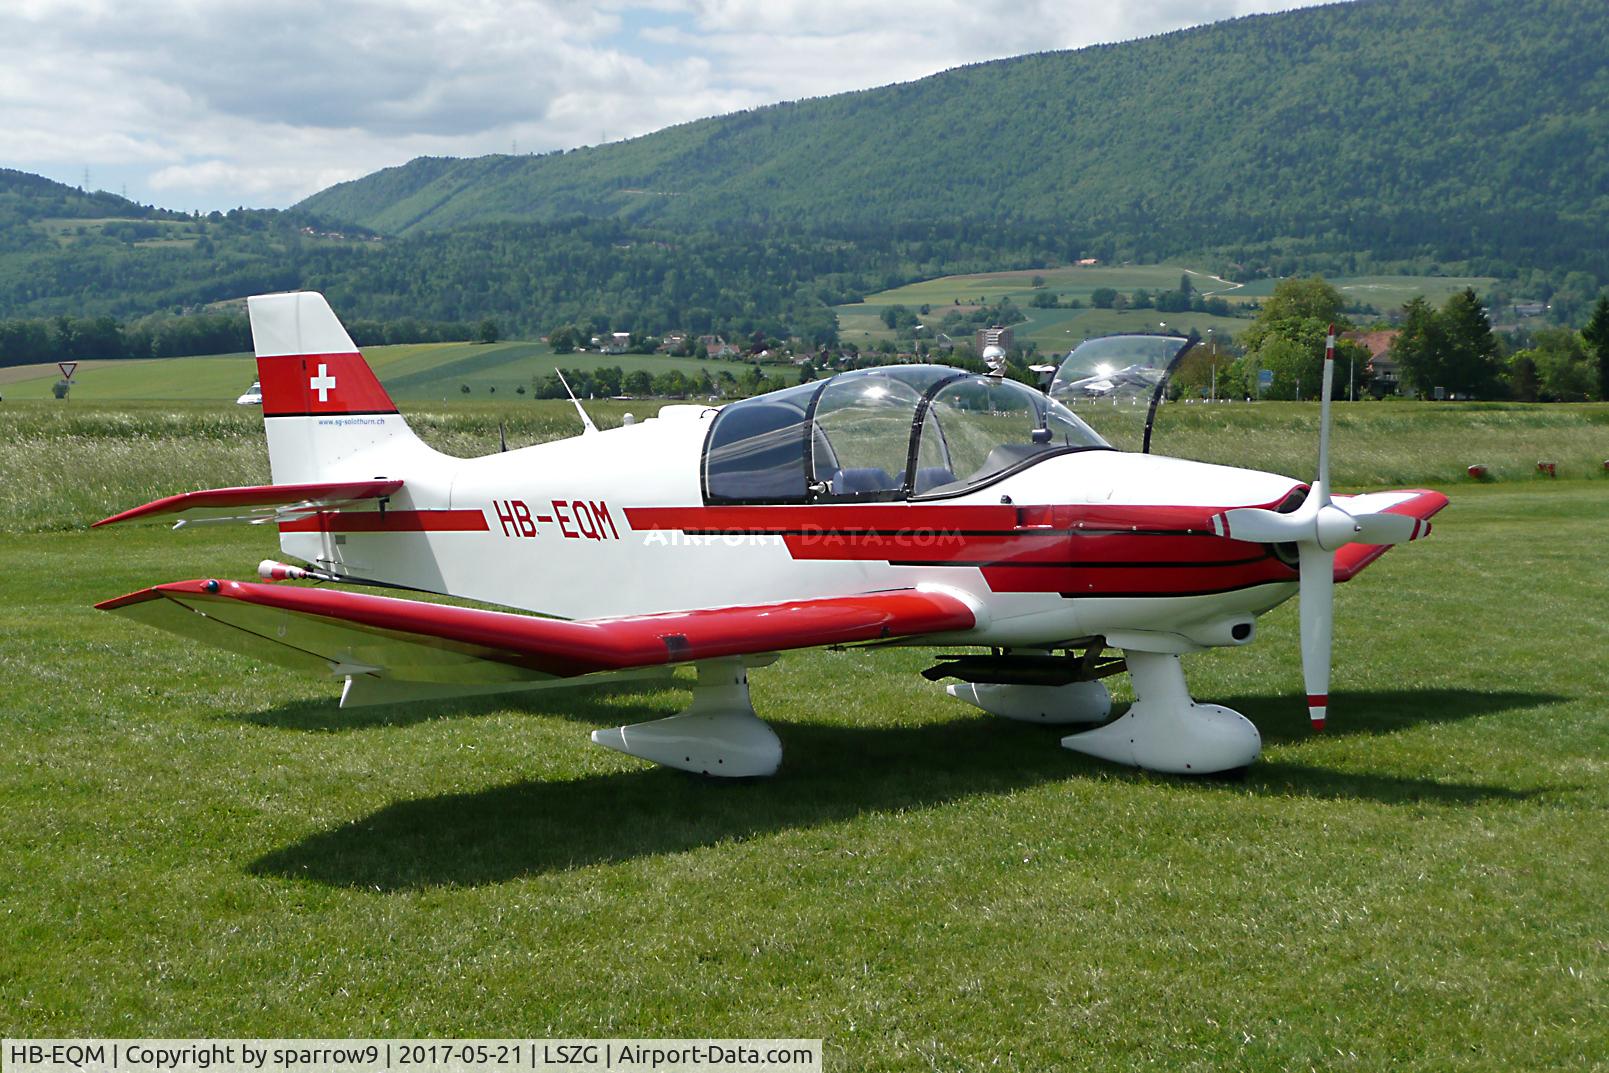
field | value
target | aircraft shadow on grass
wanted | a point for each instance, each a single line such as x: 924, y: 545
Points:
x: 831, y: 773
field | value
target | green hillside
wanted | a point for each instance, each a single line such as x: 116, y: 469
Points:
x: 38, y: 213
x: 87, y: 253
x: 1465, y: 130
x: 1371, y: 139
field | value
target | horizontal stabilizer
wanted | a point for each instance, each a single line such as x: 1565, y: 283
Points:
x: 258, y: 503
x: 346, y: 634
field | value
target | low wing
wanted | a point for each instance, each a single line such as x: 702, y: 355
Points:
x: 379, y: 642
x: 1417, y: 503
x: 257, y: 503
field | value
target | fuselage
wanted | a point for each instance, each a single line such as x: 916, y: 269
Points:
x: 619, y: 522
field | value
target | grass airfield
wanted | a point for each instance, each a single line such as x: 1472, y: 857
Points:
x: 200, y: 845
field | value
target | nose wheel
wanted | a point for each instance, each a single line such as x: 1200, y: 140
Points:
x: 1165, y: 730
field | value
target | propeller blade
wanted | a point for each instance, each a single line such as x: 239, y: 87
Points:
x: 1318, y: 625
x: 1388, y: 529
x: 1259, y: 526
x: 1320, y: 494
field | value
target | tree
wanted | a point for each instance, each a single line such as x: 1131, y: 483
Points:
x: 486, y: 331
x: 1299, y: 309
x: 672, y: 384
x: 638, y: 383
x: 1289, y: 333
x: 1419, y: 347
x: 1564, y: 372
x: 1523, y: 383
x: 1104, y: 297
x: 1596, y: 336
x: 1474, y: 367
x: 607, y: 380
x: 1452, y: 348
x: 754, y: 381
x: 895, y: 316
x: 1296, y: 373
x: 564, y: 339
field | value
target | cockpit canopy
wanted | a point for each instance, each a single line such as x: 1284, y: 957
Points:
x: 896, y: 432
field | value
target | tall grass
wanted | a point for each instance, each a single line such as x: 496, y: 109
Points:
x: 64, y: 465
x: 1372, y: 444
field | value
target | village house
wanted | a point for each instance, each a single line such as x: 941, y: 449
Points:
x: 1380, y: 369
x: 717, y: 347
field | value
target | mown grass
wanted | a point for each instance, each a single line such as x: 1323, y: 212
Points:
x: 196, y: 844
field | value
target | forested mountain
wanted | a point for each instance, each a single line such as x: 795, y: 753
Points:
x: 1363, y: 137
x: 31, y: 207
x: 1459, y: 130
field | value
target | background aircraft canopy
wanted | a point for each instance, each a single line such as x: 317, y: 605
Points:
x: 884, y: 434
x: 1118, y: 365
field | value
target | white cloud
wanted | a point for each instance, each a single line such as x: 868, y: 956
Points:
x: 216, y: 103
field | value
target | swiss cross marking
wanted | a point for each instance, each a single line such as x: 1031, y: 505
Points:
x: 323, y: 383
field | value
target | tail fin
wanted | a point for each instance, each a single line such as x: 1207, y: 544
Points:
x: 326, y: 414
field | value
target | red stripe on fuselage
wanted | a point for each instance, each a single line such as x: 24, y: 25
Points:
x: 1153, y: 579
x: 900, y: 516
x: 1072, y: 550
x: 391, y: 521
x: 1028, y: 546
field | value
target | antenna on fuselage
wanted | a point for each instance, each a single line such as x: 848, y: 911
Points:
x: 586, y: 422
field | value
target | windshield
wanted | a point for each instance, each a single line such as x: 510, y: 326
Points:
x: 979, y: 427
x: 1115, y: 366
x: 884, y: 434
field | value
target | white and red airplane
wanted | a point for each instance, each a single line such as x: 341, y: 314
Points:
x: 911, y: 504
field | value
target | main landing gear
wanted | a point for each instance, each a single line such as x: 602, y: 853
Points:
x: 1164, y: 729
x: 718, y: 734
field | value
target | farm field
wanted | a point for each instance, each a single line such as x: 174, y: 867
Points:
x: 198, y: 844
x: 1384, y: 292
x: 418, y: 372
x: 1058, y: 330
x: 1055, y: 330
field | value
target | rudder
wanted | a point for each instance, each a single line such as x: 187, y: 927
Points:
x: 326, y: 414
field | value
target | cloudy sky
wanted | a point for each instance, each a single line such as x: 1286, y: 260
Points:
x: 204, y: 104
